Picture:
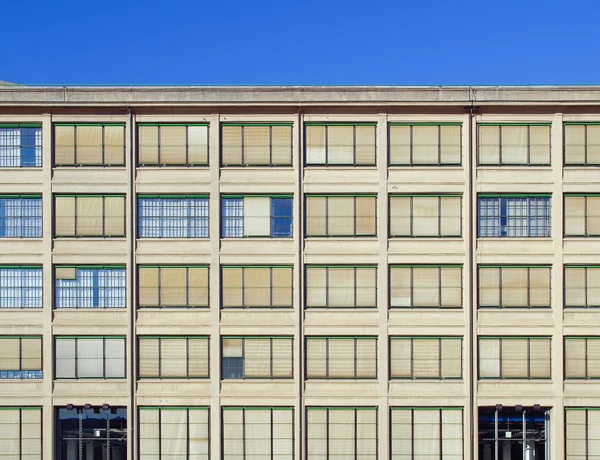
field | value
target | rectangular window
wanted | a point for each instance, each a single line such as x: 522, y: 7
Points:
x: 89, y: 357
x: 425, y: 286
x: 426, y: 357
x: 425, y: 144
x: 20, y: 145
x: 98, y: 144
x: 340, y: 144
x: 256, y: 144
x: 20, y: 357
x: 256, y: 287
x: 582, y: 357
x: 257, y: 357
x: 514, y: 216
x: 509, y: 144
x: 581, y: 434
x: 21, y: 433
x: 173, y: 144
x: 341, y: 286
x: 582, y: 144
x: 20, y: 286
x: 169, y: 432
x: 582, y: 286
x: 426, y: 215
x: 20, y: 216
x: 582, y: 214
x: 516, y: 286
x: 252, y: 433
x: 341, y: 215
x: 514, y: 358
x: 168, y: 357
x: 170, y: 286
x: 256, y: 216
x: 89, y: 216
x: 173, y: 216
x: 426, y: 433
x: 93, y: 286
x: 341, y: 357
x: 341, y: 432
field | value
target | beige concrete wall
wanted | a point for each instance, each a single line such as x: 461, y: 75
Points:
x: 467, y: 250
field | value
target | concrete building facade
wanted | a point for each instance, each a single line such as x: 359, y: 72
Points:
x: 318, y: 273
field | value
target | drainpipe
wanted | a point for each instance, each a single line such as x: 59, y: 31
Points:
x: 132, y: 296
x: 472, y: 240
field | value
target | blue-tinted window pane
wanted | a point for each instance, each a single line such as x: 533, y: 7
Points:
x: 514, y: 217
x: 20, y: 217
x: 281, y: 217
x: 92, y: 288
x: 232, y: 368
x: 232, y: 218
x: 173, y: 217
x: 20, y: 287
x: 20, y: 147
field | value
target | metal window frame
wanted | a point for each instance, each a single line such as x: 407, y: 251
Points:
x: 529, y: 338
x: 244, y: 306
x: 326, y: 125
x: 187, y: 356
x: 411, y: 267
x: 82, y: 165
x: 201, y: 219
x: 264, y: 124
x: 307, y: 267
x: 159, y: 164
x: 500, y: 287
x: 440, y: 339
x: 327, y: 339
x: 20, y: 126
x: 411, y: 162
x: 243, y: 338
x: 338, y: 195
x: 412, y: 196
x: 78, y: 288
x: 21, y: 370
x: 76, y: 358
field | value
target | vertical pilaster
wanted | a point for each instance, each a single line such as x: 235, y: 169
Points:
x: 214, y: 283
x: 382, y: 284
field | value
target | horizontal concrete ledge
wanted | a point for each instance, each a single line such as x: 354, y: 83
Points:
x: 298, y: 95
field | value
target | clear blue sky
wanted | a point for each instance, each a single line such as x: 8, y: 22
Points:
x: 306, y: 42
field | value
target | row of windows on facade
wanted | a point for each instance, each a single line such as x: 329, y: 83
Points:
x: 331, y: 286
x: 255, y: 432
x: 331, y: 357
x: 176, y: 216
x: 270, y: 144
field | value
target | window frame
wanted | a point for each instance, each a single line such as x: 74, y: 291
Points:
x: 439, y: 147
x: 39, y: 373
x: 159, y: 164
x: 22, y: 287
x: 21, y: 437
x: 412, y: 267
x: 588, y: 432
x: 38, y: 153
x: 355, y: 409
x: 187, y: 357
x: 103, y: 217
x: 162, y: 228
x: 159, y: 287
x: 223, y: 227
x: 529, y: 338
x: 327, y: 340
x: 441, y: 410
x: 577, y: 123
x: 81, y: 165
x: 586, y: 234
x: 243, y: 125
x: 243, y: 338
x: 271, y: 287
x: 355, y: 217
x: 327, y: 307
x: 327, y: 164
x: 93, y: 287
x: 500, y: 287
x: 159, y: 424
x: 76, y: 358
x: 244, y: 439
x: 503, y: 228
x: 585, y: 338
x: 22, y: 197
x: 509, y: 124
x: 440, y: 340
x: 412, y: 196
x: 586, y: 268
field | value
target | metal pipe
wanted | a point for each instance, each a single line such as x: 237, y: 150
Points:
x: 496, y: 446
x: 524, y: 434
